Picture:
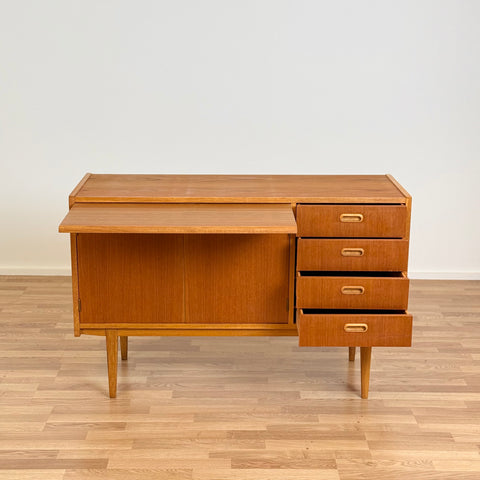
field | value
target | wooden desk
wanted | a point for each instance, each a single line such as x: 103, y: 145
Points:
x: 323, y: 257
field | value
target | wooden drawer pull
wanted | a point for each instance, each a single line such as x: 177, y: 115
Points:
x: 352, y: 252
x: 351, y: 217
x: 353, y: 290
x: 355, y: 327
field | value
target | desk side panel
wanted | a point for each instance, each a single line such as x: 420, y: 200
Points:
x: 74, y: 263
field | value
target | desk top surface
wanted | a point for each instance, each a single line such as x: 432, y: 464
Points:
x: 106, y: 188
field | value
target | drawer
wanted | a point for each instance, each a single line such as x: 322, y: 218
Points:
x: 352, y: 220
x: 352, y: 255
x: 317, y: 290
x: 317, y: 328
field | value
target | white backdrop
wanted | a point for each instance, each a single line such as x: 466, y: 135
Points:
x: 261, y: 86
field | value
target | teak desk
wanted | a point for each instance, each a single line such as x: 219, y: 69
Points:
x: 323, y: 257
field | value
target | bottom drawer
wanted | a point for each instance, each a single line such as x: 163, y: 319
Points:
x: 367, y: 328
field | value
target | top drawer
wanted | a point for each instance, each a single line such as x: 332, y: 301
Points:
x: 354, y: 220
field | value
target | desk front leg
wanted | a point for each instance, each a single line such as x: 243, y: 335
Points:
x: 365, y: 360
x: 112, y: 360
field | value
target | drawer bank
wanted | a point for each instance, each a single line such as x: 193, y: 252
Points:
x: 323, y: 257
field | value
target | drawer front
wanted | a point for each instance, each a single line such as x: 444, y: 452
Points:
x: 355, y: 330
x: 352, y: 255
x: 352, y: 292
x: 352, y: 220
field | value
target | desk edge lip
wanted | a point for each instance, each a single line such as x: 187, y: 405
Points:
x: 234, y: 200
x: 178, y: 230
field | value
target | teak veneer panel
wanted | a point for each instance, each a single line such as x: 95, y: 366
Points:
x: 243, y: 330
x: 237, y: 278
x: 239, y: 189
x: 376, y: 221
x: 198, y: 279
x: 328, y: 330
x: 389, y: 293
x: 130, y: 278
x: 326, y: 254
x: 72, y: 196
x: 179, y: 218
x: 74, y: 265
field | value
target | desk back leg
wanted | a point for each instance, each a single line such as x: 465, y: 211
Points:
x: 112, y: 360
x: 124, y: 347
x: 351, y: 353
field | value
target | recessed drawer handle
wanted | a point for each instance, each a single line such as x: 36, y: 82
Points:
x: 351, y: 217
x: 352, y: 252
x: 353, y: 290
x: 355, y: 327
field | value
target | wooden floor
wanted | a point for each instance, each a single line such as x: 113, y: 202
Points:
x: 238, y: 408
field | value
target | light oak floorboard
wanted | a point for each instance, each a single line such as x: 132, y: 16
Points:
x: 237, y: 408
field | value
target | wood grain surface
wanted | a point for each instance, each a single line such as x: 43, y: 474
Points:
x: 326, y: 254
x: 388, y: 221
x: 237, y: 278
x: 179, y: 218
x: 320, y: 291
x: 382, y: 329
x: 130, y: 278
x: 72, y: 196
x: 236, y: 408
x: 238, y: 189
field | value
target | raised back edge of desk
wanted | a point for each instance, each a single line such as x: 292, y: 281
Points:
x: 72, y: 197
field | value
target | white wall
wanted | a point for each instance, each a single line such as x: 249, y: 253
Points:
x: 240, y: 87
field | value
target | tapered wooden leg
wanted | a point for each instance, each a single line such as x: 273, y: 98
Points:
x: 112, y: 360
x: 124, y: 347
x: 351, y: 353
x: 365, y: 358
